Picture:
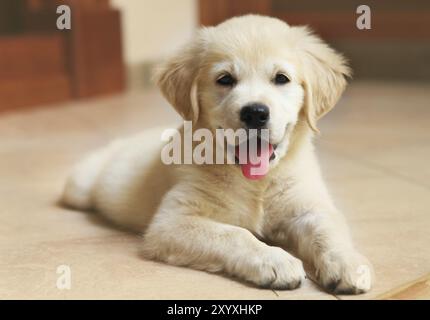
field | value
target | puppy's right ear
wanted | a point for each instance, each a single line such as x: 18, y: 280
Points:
x: 324, y: 71
x: 178, y: 80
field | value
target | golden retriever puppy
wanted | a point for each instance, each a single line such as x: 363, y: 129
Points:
x: 248, y: 72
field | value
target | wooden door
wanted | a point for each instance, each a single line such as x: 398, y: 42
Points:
x: 40, y: 64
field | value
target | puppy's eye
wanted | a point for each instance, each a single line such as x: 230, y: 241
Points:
x: 281, y: 79
x: 226, y: 80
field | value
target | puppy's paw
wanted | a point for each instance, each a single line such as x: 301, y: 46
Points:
x: 274, y: 268
x: 344, y: 273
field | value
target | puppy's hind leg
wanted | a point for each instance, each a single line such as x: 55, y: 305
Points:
x: 80, y: 184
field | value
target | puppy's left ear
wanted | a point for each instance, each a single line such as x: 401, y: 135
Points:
x: 324, y: 75
x: 177, y: 78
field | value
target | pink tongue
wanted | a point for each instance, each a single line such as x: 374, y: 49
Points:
x: 258, y: 170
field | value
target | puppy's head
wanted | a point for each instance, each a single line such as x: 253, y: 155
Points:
x: 254, y: 72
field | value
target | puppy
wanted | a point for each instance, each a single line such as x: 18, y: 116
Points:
x: 248, y: 72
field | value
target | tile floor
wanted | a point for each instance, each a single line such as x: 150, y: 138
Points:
x: 374, y: 151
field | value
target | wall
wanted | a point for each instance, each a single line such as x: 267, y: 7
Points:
x: 153, y: 28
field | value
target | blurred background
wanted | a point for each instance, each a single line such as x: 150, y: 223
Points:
x: 114, y: 44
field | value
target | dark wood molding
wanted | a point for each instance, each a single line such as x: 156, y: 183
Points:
x: 333, y: 19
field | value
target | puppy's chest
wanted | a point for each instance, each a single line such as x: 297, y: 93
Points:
x: 246, y: 209
x: 232, y: 199
x: 256, y: 204
x: 278, y: 196
x: 238, y: 203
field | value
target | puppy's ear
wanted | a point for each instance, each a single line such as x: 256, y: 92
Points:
x: 324, y: 75
x: 177, y: 78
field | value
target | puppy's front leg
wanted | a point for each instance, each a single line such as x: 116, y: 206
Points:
x: 179, y: 236
x: 321, y: 238
x: 304, y: 219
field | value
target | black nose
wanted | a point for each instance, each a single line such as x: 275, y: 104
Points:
x: 255, y: 115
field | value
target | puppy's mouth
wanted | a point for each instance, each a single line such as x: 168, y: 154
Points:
x: 254, y: 158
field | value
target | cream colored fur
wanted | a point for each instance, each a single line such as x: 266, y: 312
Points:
x: 210, y: 217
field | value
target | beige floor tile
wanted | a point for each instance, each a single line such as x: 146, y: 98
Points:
x: 110, y: 267
x: 407, y: 161
x: 384, y: 126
